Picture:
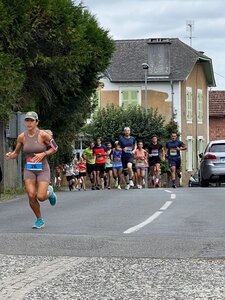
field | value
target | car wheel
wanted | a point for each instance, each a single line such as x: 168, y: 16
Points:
x: 204, y: 183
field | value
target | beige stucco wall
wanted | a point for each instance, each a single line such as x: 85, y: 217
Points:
x: 155, y: 99
x: 196, y: 80
x: 109, y: 97
x: 158, y: 100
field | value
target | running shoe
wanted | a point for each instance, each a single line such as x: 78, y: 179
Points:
x: 39, y: 223
x: 97, y: 187
x: 127, y: 187
x: 131, y: 183
x: 174, y: 186
x: 93, y: 187
x: 52, y: 197
x: 119, y: 187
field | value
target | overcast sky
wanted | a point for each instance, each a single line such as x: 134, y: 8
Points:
x: 131, y: 19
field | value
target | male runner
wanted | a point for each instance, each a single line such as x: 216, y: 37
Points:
x: 155, y: 152
x: 128, y: 146
x: 173, y: 148
x: 90, y: 163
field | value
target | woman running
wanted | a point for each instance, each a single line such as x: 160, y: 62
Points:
x: 117, y: 165
x: 140, y: 157
x: 37, y: 144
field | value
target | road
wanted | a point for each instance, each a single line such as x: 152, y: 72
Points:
x: 137, y: 244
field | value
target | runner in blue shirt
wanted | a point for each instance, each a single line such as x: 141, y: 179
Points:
x: 173, y: 148
x: 128, y: 146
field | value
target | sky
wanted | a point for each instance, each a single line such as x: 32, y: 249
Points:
x: 133, y: 19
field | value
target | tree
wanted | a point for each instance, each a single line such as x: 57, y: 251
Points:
x: 109, y: 122
x: 11, y: 83
x: 61, y: 50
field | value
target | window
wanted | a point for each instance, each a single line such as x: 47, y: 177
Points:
x: 189, y: 154
x: 199, y: 106
x: 159, y: 57
x: 189, y: 104
x: 217, y: 148
x: 200, y: 144
x: 129, y: 97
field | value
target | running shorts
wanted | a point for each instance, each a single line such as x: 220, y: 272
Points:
x: 100, y: 168
x: 153, y: 161
x: 90, y: 168
x: 126, y: 159
x: 175, y: 162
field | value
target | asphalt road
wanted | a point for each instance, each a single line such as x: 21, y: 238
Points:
x: 137, y: 244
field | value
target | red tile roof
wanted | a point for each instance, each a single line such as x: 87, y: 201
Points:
x: 216, y: 103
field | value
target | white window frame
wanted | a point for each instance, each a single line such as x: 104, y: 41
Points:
x: 201, y: 141
x: 189, y: 153
x: 189, y: 105
x: 130, y: 88
x: 199, y: 106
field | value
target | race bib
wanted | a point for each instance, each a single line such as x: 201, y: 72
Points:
x: 128, y: 149
x: 33, y: 166
x: 140, y: 161
x: 155, y: 152
x: 173, y: 152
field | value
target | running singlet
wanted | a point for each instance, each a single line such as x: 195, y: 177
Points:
x: 140, y: 158
x: 108, y: 163
x: 154, y: 150
x: 172, y: 151
x: 117, y: 159
x: 32, y: 146
x: 98, y: 150
x: 82, y: 167
x: 90, y: 158
x: 127, y: 144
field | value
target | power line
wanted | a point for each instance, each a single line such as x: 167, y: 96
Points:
x: 219, y: 75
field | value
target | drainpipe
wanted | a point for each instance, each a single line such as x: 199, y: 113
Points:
x: 172, y: 98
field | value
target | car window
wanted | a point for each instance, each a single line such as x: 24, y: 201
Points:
x: 217, y: 148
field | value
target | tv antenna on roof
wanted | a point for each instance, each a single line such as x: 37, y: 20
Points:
x: 190, y: 29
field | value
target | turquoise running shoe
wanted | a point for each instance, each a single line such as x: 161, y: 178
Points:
x: 52, y: 197
x: 39, y: 224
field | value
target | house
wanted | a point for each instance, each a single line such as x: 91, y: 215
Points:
x: 167, y: 75
x: 217, y: 115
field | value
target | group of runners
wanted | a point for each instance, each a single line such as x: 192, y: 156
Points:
x: 121, y: 162
x: 124, y: 163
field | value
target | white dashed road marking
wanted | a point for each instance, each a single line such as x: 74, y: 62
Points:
x: 146, y: 222
x: 166, y: 205
x: 154, y: 216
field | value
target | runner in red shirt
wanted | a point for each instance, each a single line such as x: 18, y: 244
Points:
x: 100, y: 152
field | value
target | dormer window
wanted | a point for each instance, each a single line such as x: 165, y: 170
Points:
x: 159, y: 57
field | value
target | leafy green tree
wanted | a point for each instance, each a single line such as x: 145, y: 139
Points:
x: 109, y: 122
x: 11, y: 82
x: 62, y: 50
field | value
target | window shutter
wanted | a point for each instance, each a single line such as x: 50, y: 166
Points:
x: 189, y: 104
x: 200, y: 106
x: 129, y: 97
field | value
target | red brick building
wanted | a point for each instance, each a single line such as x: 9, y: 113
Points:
x: 217, y: 115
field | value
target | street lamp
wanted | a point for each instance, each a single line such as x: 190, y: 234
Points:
x: 145, y: 66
